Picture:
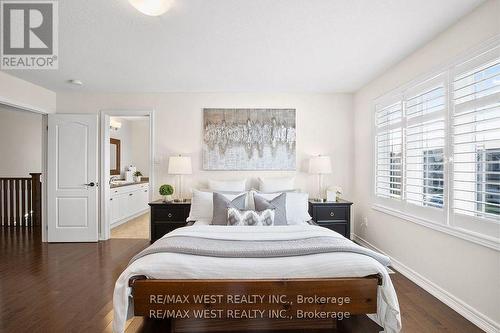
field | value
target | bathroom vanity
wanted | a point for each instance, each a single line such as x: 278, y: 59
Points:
x: 127, y: 201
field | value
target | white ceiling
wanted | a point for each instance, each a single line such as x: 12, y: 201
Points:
x: 240, y: 45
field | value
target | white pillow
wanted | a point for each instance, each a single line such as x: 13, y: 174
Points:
x: 297, y: 206
x: 276, y: 184
x: 202, y: 205
x: 227, y: 185
x: 251, y: 202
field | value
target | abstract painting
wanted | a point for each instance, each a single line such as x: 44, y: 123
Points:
x: 249, y: 139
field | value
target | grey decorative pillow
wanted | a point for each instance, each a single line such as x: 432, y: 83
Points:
x: 278, y: 204
x: 250, y: 217
x: 222, y: 203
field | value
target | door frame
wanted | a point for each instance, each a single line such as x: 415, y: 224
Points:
x: 104, y: 192
x: 34, y: 109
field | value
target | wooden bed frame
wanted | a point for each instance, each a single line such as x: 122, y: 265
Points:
x: 276, y: 301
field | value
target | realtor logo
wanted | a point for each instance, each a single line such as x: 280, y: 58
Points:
x: 29, y: 31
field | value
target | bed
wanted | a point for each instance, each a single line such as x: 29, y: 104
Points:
x: 289, y: 261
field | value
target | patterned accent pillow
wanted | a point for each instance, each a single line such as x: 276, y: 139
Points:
x: 250, y: 217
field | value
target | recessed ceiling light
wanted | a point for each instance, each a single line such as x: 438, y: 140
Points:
x: 75, y: 82
x: 151, y: 7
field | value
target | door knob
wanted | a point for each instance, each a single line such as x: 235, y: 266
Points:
x: 91, y: 184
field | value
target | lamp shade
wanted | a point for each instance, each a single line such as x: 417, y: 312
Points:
x: 320, y: 165
x: 179, y: 165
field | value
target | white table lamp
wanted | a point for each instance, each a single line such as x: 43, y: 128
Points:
x: 320, y: 165
x: 180, y: 165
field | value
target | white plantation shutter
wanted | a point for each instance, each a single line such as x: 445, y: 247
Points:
x: 389, y: 148
x: 437, y: 149
x: 389, y: 115
x: 424, y: 145
x: 476, y: 143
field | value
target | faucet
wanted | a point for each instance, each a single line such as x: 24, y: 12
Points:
x: 112, y: 178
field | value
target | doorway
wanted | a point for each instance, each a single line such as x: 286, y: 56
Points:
x: 21, y: 170
x: 127, y: 173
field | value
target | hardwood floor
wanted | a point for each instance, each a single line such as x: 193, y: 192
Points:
x: 69, y: 288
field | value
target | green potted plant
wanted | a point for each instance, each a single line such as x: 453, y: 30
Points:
x: 137, y: 176
x: 167, y: 191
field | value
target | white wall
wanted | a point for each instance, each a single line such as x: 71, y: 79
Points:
x: 324, y: 123
x: 134, y: 144
x: 17, y: 92
x: 20, y: 142
x: 140, y: 145
x: 468, y: 272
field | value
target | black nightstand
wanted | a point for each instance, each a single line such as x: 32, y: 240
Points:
x: 167, y: 216
x: 334, y: 215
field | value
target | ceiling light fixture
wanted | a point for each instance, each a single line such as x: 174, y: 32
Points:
x: 115, y: 124
x: 75, y: 82
x: 152, y: 7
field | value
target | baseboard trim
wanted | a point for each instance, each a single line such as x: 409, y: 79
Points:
x: 480, y: 320
x: 131, y: 217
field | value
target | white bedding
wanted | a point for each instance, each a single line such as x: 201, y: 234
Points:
x: 183, y: 266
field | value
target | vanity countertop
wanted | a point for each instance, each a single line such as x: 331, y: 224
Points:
x: 128, y: 184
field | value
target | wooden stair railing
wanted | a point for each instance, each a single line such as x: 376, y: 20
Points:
x: 21, y: 201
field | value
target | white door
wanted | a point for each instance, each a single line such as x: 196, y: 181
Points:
x: 72, y: 178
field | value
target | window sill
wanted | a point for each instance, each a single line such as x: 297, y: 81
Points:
x: 476, y: 238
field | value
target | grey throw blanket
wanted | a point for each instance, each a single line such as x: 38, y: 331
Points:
x: 256, y: 248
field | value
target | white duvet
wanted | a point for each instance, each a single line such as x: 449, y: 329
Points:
x: 325, y: 265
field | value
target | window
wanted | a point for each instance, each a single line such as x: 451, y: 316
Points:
x: 433, y: 183
x: 438, y: 148
x: 410, y: 146
x: 476, y: 141
x: 488, y: 182
x: 395, y: 174
x: 425, y: 130
x: 389, y: 151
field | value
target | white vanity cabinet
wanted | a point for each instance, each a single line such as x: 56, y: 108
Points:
x: 127, y: 202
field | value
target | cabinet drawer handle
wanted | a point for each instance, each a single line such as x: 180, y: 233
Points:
x: 169, y: 214
x: 131, y: 194
x: 111, y: 199
x: 332, y: 214
x: 145, y: 190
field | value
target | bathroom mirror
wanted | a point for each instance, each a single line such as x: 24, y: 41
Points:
x: 114, y: 156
